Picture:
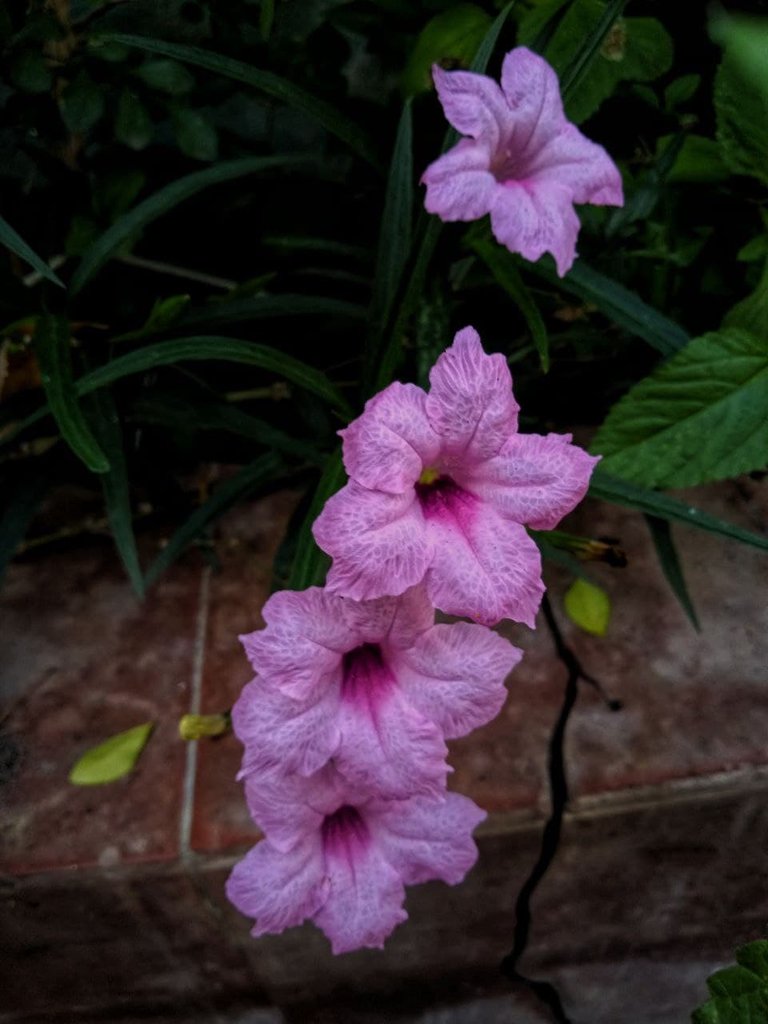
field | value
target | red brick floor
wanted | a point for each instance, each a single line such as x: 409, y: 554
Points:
x: 663, y: 851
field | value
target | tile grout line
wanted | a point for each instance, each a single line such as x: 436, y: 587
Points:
x: 198, y: 664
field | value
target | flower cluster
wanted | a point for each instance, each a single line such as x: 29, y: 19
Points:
x: 356, y: 688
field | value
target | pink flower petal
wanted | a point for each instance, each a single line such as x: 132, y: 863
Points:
x: 473, y: 104
x: 532, y: 218
x: 286, y: 735
x: 303, y: 642
x: 535, y: 479
x: 388, y: 749
x: 470, y: 402
x: 455, y: 675
x: 377, y: 541
x: 365, y: 899
x: 387, y: 447
x: 460, y: 184
x: 571, y: 160
x: 288, y: 808
x: 280, y: 889
x: 532, y: 91
x: 484, y: 567
x: 425, y: 839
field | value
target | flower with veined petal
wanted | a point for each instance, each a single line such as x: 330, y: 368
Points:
x: 441, y: 487
x: 374, y: 685
x: 342, y: 861
x: 523, y: 162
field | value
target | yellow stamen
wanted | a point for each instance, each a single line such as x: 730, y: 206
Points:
x: 429, y: 475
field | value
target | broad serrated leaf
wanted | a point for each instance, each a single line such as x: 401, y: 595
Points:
x: 265, y: 81
x: 503, y: 266
x: 450, y: 39
x: 204, y: 347
x: 738, y: 994
x: 698, y: 417
x: 166, y: 199
x: 51, y: 341
x: 588, y: 606
x: 254, y: 475
x: 112, y: 759
x: 669, y: 560
x: 741, y: 96
x: 618, y: 303
x: 593, y: 48
x: 13, y: 241
x: 609, y: 488
x: 751, y: 314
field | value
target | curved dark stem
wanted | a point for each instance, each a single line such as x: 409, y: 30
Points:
x: 550, y: 839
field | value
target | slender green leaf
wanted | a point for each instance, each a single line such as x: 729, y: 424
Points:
x: 503, y: 266
x: 620, y: 492
x: 13, y: 241
x: 262, y: 307
x: 557, y: 556
x: 669, y: 560
x: 590, y: 47
x: 310, y: 564
x: 117, y: 496
x: 52, y: 348
x: 112, y: 759
x: 173, y: 410
x: 700, y: 416
x: 24, y: 497
x: 265, y: 81
x: 487, y: 46
x: 163, y: 201
x: 226, y: 494
x: 231, y: 350
x: 616, y: 302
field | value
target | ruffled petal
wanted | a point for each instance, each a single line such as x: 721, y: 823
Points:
x: 282, y: 734
x: 460, y: 183
x: 484, y: 567
x: 535, y: 479
x: 533, y: 218
x: 280, y: 889
x: 303, y: 642
x: 387, y: 447
x: 388, y: 749
x: 474, y: 104
x: 424, y: 839
x: 377, y: 541
x: 288, y: 808
x: 365, y: 899
x: 397, y: 621
x: 584, y: 168
x: 454, y: 675
x: 532, y: 91
x: 470, y: 402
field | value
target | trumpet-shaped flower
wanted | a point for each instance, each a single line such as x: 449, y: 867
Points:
x: 522, y: 161
x: 343, y: 861
x: 441, y: 487
x: 376, y: 686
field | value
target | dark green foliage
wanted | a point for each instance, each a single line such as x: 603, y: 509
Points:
x: 252, y: 169
x: 738, y: 994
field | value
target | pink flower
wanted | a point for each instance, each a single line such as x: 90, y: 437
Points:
x: 343, y: 861
x: 375, y: 686
x: 523, y: 162
x: 441, y: 485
